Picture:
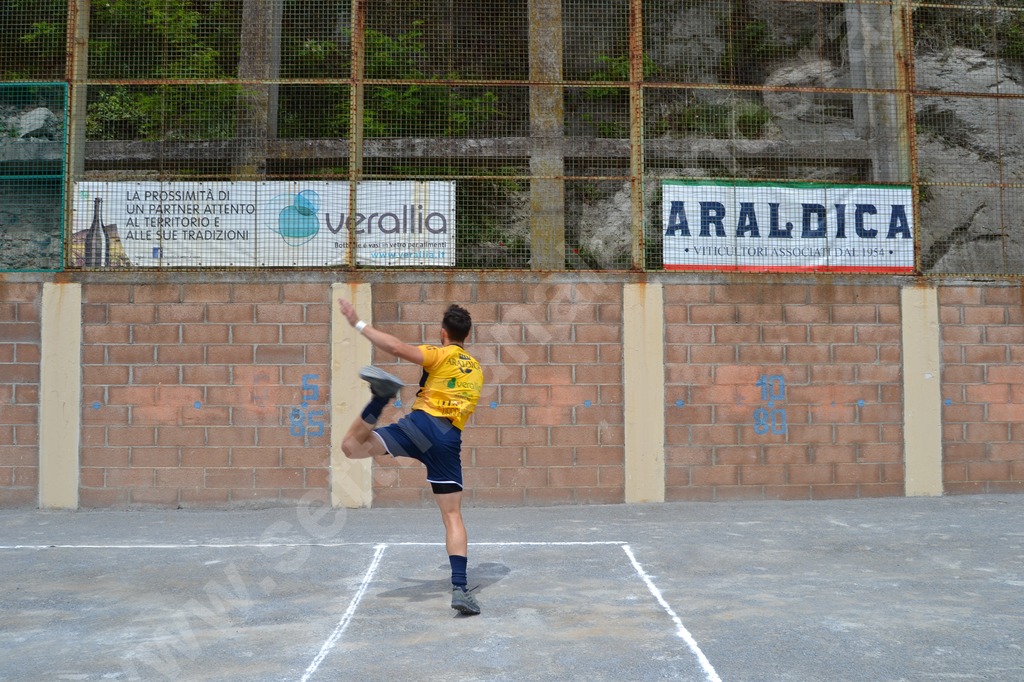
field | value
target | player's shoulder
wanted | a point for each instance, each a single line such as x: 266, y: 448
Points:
x: 465, y: 358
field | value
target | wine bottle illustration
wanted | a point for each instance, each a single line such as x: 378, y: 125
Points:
x: 97, y: 240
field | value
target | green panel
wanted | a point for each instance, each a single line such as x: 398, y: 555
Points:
x: 33, y: 144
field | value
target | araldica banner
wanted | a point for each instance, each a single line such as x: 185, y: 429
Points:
x: 262, y: 224
x: 787, y: 227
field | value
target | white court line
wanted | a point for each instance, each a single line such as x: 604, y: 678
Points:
x: 198, y: 545
x: 681, y: 630
x: 270, y: 545
x: 504, y: 543
x: 347, y: 618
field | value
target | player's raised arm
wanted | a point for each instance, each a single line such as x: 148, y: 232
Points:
x: 386, y: 342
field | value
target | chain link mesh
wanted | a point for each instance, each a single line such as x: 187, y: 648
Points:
x: 543, y: 134
x: 32, y: 176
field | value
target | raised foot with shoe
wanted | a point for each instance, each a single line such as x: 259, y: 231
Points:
x: 382, y: 384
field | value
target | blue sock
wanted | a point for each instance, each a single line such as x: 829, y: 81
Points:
x: 371, y: 413
x: 458, y: 570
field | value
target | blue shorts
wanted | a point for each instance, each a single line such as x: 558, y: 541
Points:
x: 432, y: 440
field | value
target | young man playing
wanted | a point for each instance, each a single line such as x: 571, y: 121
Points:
x: 432, y: 431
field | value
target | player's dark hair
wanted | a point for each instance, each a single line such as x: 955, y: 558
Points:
x: 457, y: 323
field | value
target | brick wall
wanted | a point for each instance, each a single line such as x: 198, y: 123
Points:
x: 983, y: 388
x: 549, y: 426
x: 193, y: 393
x: 741, y: 359
x: 190, y: 392
x: 19, y: 393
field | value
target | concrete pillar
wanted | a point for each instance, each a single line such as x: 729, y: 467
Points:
x: 643, y: 351
x: 547, y: 133
x: 351, y: 480
x: 922, y: 391
x: 260, y: 61
x: 878, y: 119
x: 60, y: 395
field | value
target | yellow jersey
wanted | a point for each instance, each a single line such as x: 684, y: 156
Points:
x: 450, y: 385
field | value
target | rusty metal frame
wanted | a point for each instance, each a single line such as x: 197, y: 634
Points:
x: 357, y: 149
x: 356, y: 92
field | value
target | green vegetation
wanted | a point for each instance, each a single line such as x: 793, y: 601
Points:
x: 605, y: 108
x: 721, y: 121
x: 750, y: 48
x: 746, y: 53
x: 32, y: 39
x: 420, y: 110
x: 997, y: 34
x: 1011, y: 31
x: 617, y: 69
x: 181, y: 39
x: 192, y: 112
x: 164, y: 39
x: 417, y: 110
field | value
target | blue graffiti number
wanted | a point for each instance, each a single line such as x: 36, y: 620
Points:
x: 769, y: 419
x: 773, y: 388
x: 766, y: 421
x: 306, y: 422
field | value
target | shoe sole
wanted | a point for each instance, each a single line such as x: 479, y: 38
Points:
x: 371, y: 372
x: 376, y: 377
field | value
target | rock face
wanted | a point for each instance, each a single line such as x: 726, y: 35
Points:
x: 30, y: 208
x: 30, y: 220
x: 801, y: 116
x: 970, y: 228
x: 39, y: 122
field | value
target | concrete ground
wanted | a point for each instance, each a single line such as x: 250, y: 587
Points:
x: 858, y: 590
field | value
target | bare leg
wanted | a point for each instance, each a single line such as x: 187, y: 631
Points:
x: 455, y: 538
x: 360, y: 443
x: 450, y: 505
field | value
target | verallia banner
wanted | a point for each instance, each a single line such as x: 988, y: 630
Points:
x: 262, y: 224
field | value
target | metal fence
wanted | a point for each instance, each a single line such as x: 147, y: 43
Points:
x: 32, y: 175
x: 533, y: 134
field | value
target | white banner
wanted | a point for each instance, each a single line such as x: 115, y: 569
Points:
x: 795, y: 227
x: 262, y: 224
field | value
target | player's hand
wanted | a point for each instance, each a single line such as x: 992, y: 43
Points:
x: 349, y: 311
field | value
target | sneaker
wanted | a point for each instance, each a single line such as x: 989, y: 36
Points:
x: 464, y: 602
x: 382, y: 384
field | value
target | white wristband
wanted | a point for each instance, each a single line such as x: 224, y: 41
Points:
x: 360, y: 326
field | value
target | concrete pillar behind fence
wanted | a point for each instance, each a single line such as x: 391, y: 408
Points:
x: 547, y: 133
x: 873, y: 43
x: 260, y: 61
